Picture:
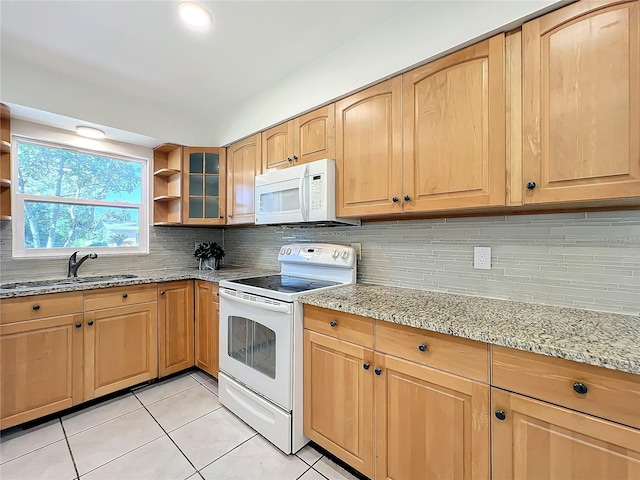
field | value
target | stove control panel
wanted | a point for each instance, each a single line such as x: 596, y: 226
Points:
x: 319, y: 254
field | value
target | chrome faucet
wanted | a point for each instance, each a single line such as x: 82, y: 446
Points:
x: 74, y: 264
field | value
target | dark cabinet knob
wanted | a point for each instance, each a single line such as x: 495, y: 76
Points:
x: 290, y: 159
x: 422, y: 347
x: 500, y: 415
x: 394, y: 199
x: 229, y: 215
x: 125, y: 295
x: 366, y: 365
x: 221, y: 216
x: 333, y: 323
x: 161, y: 292
x: 378, y: 371
x: 580, y: 388
x: 36, y: 307
x: 407, y: 198
x: 295, y: 158
x: 78, y: 325
x: 531, y: 185
x: 90, y: 322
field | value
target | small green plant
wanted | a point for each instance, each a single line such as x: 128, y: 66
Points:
x: 208, y: 250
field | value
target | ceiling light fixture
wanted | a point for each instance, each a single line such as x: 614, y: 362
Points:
x: 89, y: 132
x: 194, y: 15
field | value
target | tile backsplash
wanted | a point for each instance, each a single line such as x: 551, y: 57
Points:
x: 169, y: 247
x: 581, y: 260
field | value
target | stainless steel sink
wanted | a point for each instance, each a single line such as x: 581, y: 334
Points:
x: 64, y: 281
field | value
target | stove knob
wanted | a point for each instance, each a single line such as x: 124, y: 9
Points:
x: 288, y: 252
x: 345, y: 255
x: 336, y: 254
x: 282, y: 251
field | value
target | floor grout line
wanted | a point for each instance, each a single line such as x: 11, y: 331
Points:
x: 227, y: 453
x: 66, y: 439
x: 172, y: 395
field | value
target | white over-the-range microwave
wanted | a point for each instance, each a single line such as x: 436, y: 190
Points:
x: 304, y: 194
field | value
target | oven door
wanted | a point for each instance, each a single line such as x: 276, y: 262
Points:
x: 256, y: 348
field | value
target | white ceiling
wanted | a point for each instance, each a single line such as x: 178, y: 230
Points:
x: 132, y: 66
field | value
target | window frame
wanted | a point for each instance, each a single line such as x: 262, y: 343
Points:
x: 18, y: 199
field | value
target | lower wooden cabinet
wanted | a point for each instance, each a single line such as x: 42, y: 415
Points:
x: 429, y: 423
x: 40, y: 367
x: 207, y: 326
x: 120, y: 348
x: 533, y: 440
x: 338, y: 398
x: 175, y: 327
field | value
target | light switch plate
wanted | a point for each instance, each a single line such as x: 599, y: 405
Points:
x: 482, y: 258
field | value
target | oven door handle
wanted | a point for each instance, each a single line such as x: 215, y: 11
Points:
x: 264, y: 306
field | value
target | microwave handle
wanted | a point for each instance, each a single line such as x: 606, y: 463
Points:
x: 266, y: 306
x: 301, y: 192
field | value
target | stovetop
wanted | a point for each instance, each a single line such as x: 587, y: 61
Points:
x: 285, y: 283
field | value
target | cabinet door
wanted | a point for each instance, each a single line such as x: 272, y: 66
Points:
x: 581, y: 91
x: 454, y: 130
x: 539, y: 440
x: 207, y: 321
x: 429, y: 424
x: 41, y: 367
x: 120, y: 348
x: 277, y: 147
x: 369, y: 151
x: 338, y: 398
x: 203, y: 186
x: 175, y: 327
x: 315, y: 135
x: 243, y: 164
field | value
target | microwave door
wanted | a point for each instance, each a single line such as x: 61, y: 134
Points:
x: 281, y: 202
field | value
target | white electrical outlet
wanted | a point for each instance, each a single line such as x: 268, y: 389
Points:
x: 482, y: 258
x: 358, y: 247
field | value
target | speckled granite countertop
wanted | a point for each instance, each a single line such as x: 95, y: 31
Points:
x: 157, y: 276
x: 602, y: 339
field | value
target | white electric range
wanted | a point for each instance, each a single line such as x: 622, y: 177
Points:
x: 261, y: 331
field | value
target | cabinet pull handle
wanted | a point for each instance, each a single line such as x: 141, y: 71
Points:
x: 422, y: 347
x: 580, y: 388
x: 395, y: 199
x: 36, y: 307
x: 78, y: 325
x: 366, y: 365
x: 90, y: 322
x: 378, y: 371
x: 500, y: 415
x: 125, y: 295
x: 531, y: 185
x: 333, y: 323
x: 295, y: 158
x: 290, y: 159
x: 161, y: 292
x: 407, y: 198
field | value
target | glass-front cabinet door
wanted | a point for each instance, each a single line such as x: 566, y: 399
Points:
x: 204, y: 186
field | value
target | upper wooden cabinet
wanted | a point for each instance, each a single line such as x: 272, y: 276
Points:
x: 167, y: 185
x: 454, y: 130
x: 369, y: 151
x: 581, y: 103
x: 243, y: 164
x: 203, y: 198
x: 309, y: 137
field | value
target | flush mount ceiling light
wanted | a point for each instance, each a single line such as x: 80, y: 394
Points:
x: 194, y: 15
x: 89, y: 132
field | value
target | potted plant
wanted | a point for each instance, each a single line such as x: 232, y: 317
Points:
x: 208, y: 255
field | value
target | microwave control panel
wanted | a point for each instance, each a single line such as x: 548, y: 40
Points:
x: 316, y: 199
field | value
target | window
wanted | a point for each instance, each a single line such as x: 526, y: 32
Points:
x: 69, y: 199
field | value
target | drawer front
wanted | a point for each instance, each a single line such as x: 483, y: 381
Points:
x: 345, y: 326
x: 120, y: 296
x: 609, y: 393
x: 467, y: 358
x: 40, y: 306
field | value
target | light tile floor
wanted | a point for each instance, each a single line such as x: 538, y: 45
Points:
x: 175, y: 429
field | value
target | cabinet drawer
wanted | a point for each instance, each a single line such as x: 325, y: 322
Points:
x: 352, y: 328
x: 120, y: 296
x: 457, y: 355
x: 39, y: 306
x: 609, y: 393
